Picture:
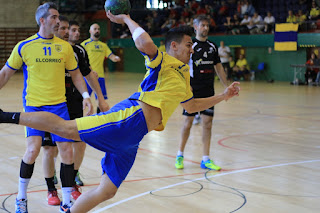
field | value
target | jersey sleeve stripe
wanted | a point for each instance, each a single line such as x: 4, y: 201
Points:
x: 7, y: 64
x: 73, y: 69
x: 187, y: 100
x: 110, y: 54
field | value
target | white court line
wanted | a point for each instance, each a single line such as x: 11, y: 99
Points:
x: 217, y: 175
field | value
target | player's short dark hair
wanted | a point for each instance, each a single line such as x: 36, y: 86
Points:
x: 63, y: 18
x: 43, y: 11
x: 176, y: 34
x: 73, y: 22
x: 199, y: 19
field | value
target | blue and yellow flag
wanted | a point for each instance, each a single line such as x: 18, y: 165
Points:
x: 285, y: 37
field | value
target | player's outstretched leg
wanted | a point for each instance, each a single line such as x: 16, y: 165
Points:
x: 44, y: 121
x: 106, y: 190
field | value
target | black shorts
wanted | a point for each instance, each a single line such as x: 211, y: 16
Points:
x: 204, y: 92
x: 47, y: 140
x: 209, y: 112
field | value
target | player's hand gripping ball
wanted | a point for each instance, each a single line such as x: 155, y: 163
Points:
x: 117, y: 6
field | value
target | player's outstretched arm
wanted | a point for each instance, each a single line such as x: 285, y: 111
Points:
x: 5, y: 74
x: 141, y: 38
x: 199, y: 104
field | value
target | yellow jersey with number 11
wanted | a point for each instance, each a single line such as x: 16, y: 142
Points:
x: 44, y: 62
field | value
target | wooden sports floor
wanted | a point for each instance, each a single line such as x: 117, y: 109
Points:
x: 267, y: 141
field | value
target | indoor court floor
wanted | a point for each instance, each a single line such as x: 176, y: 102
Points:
x: 267, y: 142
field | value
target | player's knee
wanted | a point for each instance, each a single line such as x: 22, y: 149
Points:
x: 108, y: 194
x: 32, y: 152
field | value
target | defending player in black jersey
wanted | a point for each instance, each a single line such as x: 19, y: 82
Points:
x: 75, y: 109
x: 203, y: 64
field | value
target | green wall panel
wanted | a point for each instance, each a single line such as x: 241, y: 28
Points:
x: 256, y: 48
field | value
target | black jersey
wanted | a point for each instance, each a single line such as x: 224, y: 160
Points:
x: 201, y: 64
x: 74, y: 98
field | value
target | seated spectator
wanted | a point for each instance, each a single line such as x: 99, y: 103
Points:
x: 212, y: 24
x: 291, y: 17
x: 269, y: 21
x: 258, y: 22
x: 228, y: 25
x: 241, y: 69
x: 311, y: 73
x: 223, y: 10
x: 314, y: 11
x: 201, y: 10
x: 236, y: 25
x: 244, y: 24
x: 247, y: 7
x: 301, y: 19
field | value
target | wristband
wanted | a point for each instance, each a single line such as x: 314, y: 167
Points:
x: 137, y: 32
x: 85, y: 95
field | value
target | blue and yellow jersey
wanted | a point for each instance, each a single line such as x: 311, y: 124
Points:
x: 165, y: 85
x: 97, y: 52
x: 44, y: 62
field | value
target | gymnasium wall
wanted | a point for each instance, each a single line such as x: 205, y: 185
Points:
x: 257, y: 48
x: 18, y: 13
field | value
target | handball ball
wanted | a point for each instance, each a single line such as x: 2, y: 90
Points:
x: 117, y: 6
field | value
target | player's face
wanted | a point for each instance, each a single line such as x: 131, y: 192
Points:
x: 74, y: 33
x: 95, y: 30
x: 51, y: 22
x: 202, y: 29
x: 63, y: 30
x: 185, y: 49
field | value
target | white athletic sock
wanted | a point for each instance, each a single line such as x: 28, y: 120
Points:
x: 179, y: 153
x: 66, y: 195
x: 23, y: 186
x: 205, y: 158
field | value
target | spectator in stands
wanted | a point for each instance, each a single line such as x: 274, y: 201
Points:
x: 236, y: 25
x: 156, y: 22
x: 247, y: 8
x: 241, y: 69
x: 228, y: 25
x: 223, y: 10
x: 186, y: 12
x: 258, y: 23
x: 244, y: 24
x: 212, y: 24
x: 301, y: 19
x: 314, y: 11
x: 291, y: 17
x: 269, y: 21
x: 201, y: 10
x: 311, y: 72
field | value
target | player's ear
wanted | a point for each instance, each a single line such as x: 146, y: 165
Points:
x: 174, y: 45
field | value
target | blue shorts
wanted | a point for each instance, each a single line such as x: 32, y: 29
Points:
x: 118, y: 133
x: 102, y: 84
x: 60, y: 109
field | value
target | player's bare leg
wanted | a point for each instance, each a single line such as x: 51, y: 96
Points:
x: 106, y: 190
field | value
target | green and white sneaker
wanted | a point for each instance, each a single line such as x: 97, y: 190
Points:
x: 179, y: 162
x: 209, y: 164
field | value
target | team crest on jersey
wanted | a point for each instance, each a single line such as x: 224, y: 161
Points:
x: 58, y: 47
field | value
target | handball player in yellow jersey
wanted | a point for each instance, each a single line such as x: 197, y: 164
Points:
x: 98, y: 52
x: 119, y: 131
x: 44, y: 59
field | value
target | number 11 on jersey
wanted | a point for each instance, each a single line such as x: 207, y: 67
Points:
x: 47, y: 50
